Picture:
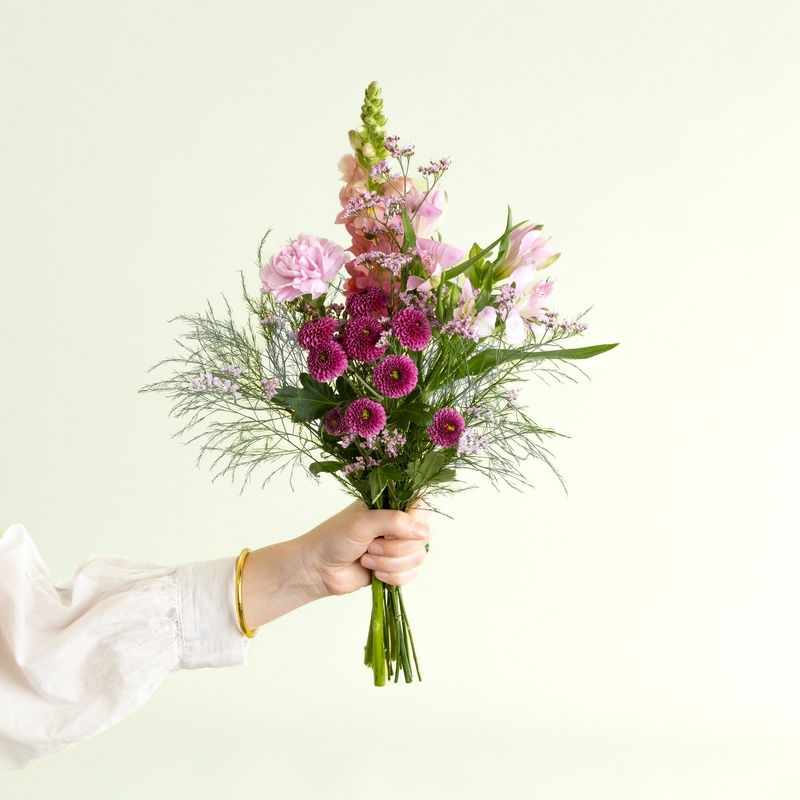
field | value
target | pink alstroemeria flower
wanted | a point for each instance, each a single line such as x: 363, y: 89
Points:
x: 525, y: 247
x: 483, y: 321
x: 425, y: 212
x: 442, y: 255
x: 525, y: 310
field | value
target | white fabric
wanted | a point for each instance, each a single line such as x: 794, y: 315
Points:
x: 78, y: 656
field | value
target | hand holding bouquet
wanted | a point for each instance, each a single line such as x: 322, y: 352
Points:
x: 392, y: 366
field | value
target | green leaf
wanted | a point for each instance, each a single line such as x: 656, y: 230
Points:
x: 501, y: 253
x: 317, y: 467
x: 413, y: 412
x: 377, y: 483
x: 488, y: 359
x: 392, y: 471
x: 307, y: 403
x: 424, y: 470
x: 409, y: 234
x: 443, y: 476
x: 344, y: 389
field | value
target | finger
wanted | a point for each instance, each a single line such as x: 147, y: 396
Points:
x: 391, y: 524
x: 395, y: 547
x: 398, y: 578
x: 396, y: 564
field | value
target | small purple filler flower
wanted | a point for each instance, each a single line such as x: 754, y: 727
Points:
x: 365, y: 417
x: 412, y: 328
x: 395, y: 376
x: 360, y: 339
x: 270, y: 387
x: 335, y: 423
x: 316, y: 332
x: 326, y: 362
x: 448, y: 425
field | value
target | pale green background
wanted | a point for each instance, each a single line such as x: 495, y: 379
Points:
x: 635, y: 639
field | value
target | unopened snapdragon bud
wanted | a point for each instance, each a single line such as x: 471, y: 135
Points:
x: 355, y: 140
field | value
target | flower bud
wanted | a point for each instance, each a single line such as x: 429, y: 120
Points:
x: 355, y: 140
x: 453, y: 296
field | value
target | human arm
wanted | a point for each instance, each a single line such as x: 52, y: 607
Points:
x: 78, y: 656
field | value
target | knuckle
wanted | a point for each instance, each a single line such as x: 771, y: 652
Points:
x: 397, y: 521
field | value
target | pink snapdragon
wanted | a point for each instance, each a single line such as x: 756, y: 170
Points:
x: 305, y: 266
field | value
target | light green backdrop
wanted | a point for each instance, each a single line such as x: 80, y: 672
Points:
x: 635, y: 639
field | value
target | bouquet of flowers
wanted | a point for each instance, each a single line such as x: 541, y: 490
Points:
x: 391, y: 366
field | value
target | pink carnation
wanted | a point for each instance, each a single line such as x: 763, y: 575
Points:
x: 306, y: 266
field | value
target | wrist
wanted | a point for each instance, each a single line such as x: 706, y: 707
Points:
x: 278, y: 579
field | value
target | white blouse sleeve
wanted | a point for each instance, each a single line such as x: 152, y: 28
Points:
x: 78, y: 656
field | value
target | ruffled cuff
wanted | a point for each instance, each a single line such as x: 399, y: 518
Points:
x: 209, y: 628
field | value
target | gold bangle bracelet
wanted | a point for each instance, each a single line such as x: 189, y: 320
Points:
x: 239, y: 602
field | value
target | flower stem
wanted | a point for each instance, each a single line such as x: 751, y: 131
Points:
x: 377, y: 633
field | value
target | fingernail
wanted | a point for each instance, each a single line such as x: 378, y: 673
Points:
x: 420, y: 530
x: 368, y: 562
x: 375, y: 549
x: 381, y: 576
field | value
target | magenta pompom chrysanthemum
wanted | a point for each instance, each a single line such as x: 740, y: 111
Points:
x: 335, y: 423
x: 366, y: 302
x: 360, y: 339
x: 365, y: 417
x: 412, y: 328
x: 326, y: 362
x: 395, y: 376
x: 448, y: 425
x: 317, y: 332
